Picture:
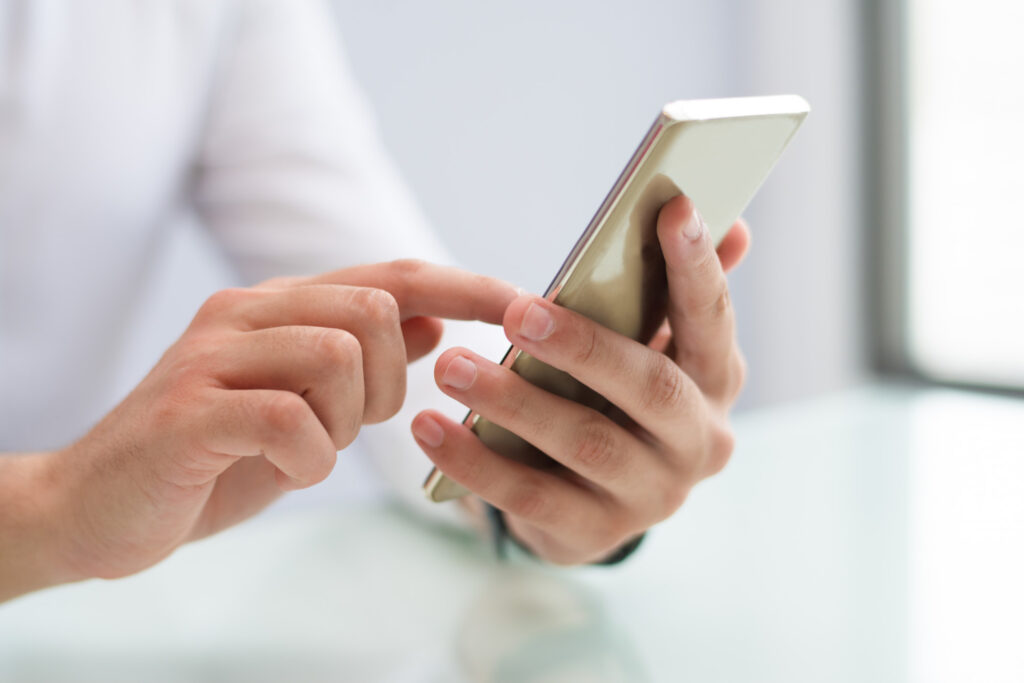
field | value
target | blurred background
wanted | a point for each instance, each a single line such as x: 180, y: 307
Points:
x: 516, y: 120
x: 858, y: 529
x: 885, y: 241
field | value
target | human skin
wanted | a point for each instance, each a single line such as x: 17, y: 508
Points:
x: 268, y: 383
x: 623, y: 472
x: 255, y: 398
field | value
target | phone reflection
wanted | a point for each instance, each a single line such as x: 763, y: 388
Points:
x: 531, y: 627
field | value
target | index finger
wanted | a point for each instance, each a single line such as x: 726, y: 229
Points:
x: 428, y: 289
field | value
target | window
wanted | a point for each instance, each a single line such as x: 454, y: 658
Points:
x: 963, y: 125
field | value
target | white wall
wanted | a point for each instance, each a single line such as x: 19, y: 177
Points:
x: 801, y: 295
x: 515, y: 118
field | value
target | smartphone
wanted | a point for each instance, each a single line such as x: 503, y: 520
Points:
x: 718, y: 152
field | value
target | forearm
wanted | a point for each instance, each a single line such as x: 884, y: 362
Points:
x: 29, y: 525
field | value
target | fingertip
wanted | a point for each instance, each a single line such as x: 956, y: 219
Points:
x: 674, y: 214
x: 445, y: 359
x: 735, y: 245
x: 682, y: 232
x: 743, y: 228
x: 515, y: 312
x: 428, y: 429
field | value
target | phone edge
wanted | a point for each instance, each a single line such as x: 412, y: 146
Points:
x: 436, y: 477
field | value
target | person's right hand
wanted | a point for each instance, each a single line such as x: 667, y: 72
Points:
x: 256, y: 397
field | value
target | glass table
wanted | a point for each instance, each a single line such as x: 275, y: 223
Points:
x: 876, y: 535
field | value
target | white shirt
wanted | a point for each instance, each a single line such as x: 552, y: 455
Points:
x: 119, y: 119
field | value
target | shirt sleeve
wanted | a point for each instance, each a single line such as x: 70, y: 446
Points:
x: 292, y: 178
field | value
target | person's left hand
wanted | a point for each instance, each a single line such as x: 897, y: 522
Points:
x: 620, y: 477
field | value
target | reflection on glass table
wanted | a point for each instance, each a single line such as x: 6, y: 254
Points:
x: 869, y: 536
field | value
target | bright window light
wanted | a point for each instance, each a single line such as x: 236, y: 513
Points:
x: 966, y: 182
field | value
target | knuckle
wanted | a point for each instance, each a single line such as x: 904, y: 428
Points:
x: 225, y: 298
x: 385, y: 406
x: 282, y: 282
x: 670, y: 499
x: 722, y: 444
x: 403, y: 275
x: 220, y: 303
x: 469, y: 471
x: 484, y: 283
x: 193, y: 361
x: 336, y: 348
x: 408, y: 265
x: 616, y: 532
x: 515, y: 407
x: 379, y: 306
x: 321, y: 468
x: 597, y: 449
x: 585, y: 353
x: 721, y: 304
x: 739, y: 373
x: 285, y: 413
x: 394, y: 402
x: 618, y: 522
x: 666, y: 388
x: 530, y: 500
x: 713, y: 302
x: 346, y: 429
x: 707, y: 265
x: 406, y: 270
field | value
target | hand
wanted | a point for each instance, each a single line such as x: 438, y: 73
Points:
x: 256, y: 397
x: 672, y: 398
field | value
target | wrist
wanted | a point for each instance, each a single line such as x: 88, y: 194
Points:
x: 502, y: 536
x: 30, y: 524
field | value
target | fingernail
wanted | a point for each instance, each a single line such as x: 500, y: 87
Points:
x: 537, y: 323
x: 695, y: 226
x: 427, y: 430
x: 460, y: 373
